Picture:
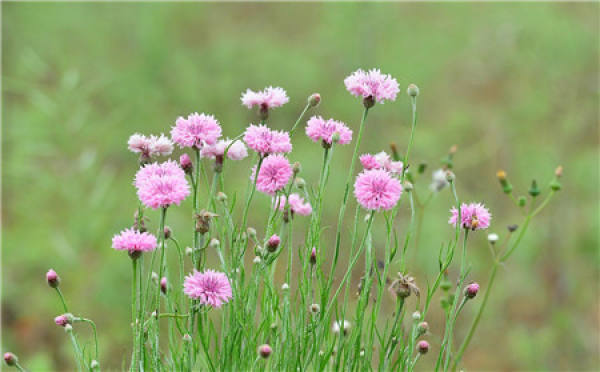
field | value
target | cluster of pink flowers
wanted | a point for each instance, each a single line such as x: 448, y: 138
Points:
x: 296, y: 203
x: 268, y: 98
x: 134, y: 241
x: 473, y: 216
x: 211, y: 288
x: 376, y: 189
x: 372, y: 84
x: 237, y: 150
x: 198, y: 130
x: 274, y: 173
x: 150, y: 146
x: 266, y: 141
x: 319, y: 129
x: 381, y: 161
x: 161, y: 184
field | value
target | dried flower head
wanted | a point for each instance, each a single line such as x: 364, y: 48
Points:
x: 404, y: 285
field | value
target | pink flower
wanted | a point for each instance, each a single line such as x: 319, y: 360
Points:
x: 134, y: 241
x: 372, y: 84
x: 52, y: 278
x: 319, y: 129
x: 237, y: 151
x: 266, y: 141
x: 160, y: 185
x: 269, y: 98
x: 273, y: 243
x: 274, y: 174
x: 381, y: 161
x: 210, y: 287
x: 297, y: 204
x: 150, y: 146
x: 196, y: 131
x: 185, y: 163
x: 376, y: 189
x: 473, y: 216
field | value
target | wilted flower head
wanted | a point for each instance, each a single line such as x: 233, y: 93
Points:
x: 404, y: 285
x: 274, y: 173
x: 209, y: 287
x: 372, y: 84
x: 381, y: 161
x: 376, y: 189
x: 296, y: 203
x: 151, y: 146
x: 439, y: 180
x: 198, y: 130
x: 134, y: 241
x: 160, y: 185
x: 473, y: 216
x: 266, y: 141
x: 237, y: 150
x: 319, y: 129
x: 266, y: 99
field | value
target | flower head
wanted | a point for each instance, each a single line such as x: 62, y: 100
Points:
x: 319, y: 129
x: 52, y: 278
x: 62, y: 320
x: 471, y: 290
x: 266, y: 141
x: 381, y: 161
x: 473, y: 216
x: 198, y: 130
x: 160, y: 185
x: 376, y: 189
x: 296, y: 203
x: 134, y: 241
x: 266, y: 99
x: 237, y: 150
x: 209, y: 287
x: 151, y: 146
x: 273, y: 175
x: 372, y: 84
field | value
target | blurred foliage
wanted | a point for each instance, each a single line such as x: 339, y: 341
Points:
x: 514, y: 86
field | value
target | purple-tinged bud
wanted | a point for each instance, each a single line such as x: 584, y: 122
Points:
x: 423, y: 347
x: 313, y: 256
x: 52, y: 278
x: 422, y: 328
x: 10, y: 359
x: 163, y: 285
x: 167, y: 232
x: 471, y: 290
x: 265, y: 351
x: 314, y: 99
x: 273, y: 243
x: 62, y: 320
x: 186, y: 163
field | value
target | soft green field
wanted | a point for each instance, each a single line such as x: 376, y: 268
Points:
x: 514, y: 86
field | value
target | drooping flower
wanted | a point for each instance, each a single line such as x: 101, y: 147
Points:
x: 376, y: 189
x: 198, y: 130
x: 266, y: 141
x: 266, y: 99
x: 473, y: 216
x: 374, y: 84
x: 319, y: 129
x: 381, y: 161
x: 160, y: 185
x: 296, y: 203
x: 273, y: 175
x: 209, y: 287
x: 134, y: 241
x: 237, y: 151
x: 151, y: 146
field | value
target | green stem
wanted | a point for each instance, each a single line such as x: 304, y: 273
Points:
x: 134, y: 322
x: 412, y: 134
x: 161, y: 234
x: 62, y: 299
x: 299, y: 119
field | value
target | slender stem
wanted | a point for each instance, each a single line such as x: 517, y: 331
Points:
x: 412, y: 134
x: 299, y: 118
x: 78, y: 355
x: 134, y: 321
x: 62, y: 299
x: 161, y: 234
x: 19, y: 367
x: 93, y: 325
x: 251, y: 194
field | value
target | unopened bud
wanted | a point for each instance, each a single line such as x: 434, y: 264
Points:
x: 285, y: 286
x: 314, y: 99
x: 265, y: 351
x: 558, y: 171
x: 273, y: 243
x: 506, y: 186
x: 534, y: 189
x: 300, y: 183
x: 163, y: 285
x: 522, y: 201
x: 10, y: 359
x: 555, y: 185
x: 221, y: 196
x: 297, y: 168
x: 186, y: 163
x: 416, y: 315
x: 187, y: 338
x: 492, y: 238
x: 421, y: 168
x: 256, y: 260
x: 94, y: 364
x: 422, y: 328
x: 313, y: 256
x: 471, y: 290
x: 52, y: 278
x: 64, y: 319
x: 412, y: 90
x: 423, y: 347
x: 251, y: 232
x: 189, y: 251
x: 167, y: 232
x: 315, y: 308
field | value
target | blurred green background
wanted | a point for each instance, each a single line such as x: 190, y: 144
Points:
x: 514, y: 86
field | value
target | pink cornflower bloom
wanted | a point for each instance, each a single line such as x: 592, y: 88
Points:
x: 151, y: 146
x: 268, y: 98
x: 134, y: 241
x: 160, y: 185
x: 319, y: 129
x: 473, y: 216
x: 266, y: 141
x: 373, y: 85
x: 209, y: 287
x: 381, y: 161
x: 237, y: 151
x: 274, y: 174
x: 198, y: 130
x: 296, y: 203
x: 376, y: 189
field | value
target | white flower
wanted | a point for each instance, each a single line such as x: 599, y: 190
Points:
x: 439, y: 180
x: 493, y: 238
x: 337, y: 326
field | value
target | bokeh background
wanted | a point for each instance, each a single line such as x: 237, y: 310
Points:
x: 514, y: 86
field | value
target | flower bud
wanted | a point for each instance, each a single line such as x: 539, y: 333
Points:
x: 534, y: 189
x: 214, y: 243
x: 314, y: 99
x: 187, y: 338
x: 186, y: 163
x: 313, y: 256
x: 52, y: 278
x: 68, y: 328
x: 423, y: 347
x: 285, y: 286
x: 10, y: 359
x: 64, y: 319
x: 445, y: 285
x: 265, y: 351
x: 167, y: 232
x: 300, y: 183
x: 163, y: 285
x: 221, y: 196
x: 412, y: 90
x: 506, y: 186
x: 256, y: 260
x: 189, y: 251
x: 296, y: 167
x: 416, y: 315
x: 251, y: 232
x: 315, y: 308
x: 94, y: 364
x: 154, y: 277
x: 558, y: 171
x: 407, y: 186
x: 422, y: 328
x: 522, y: 201
x: 273, y: 243
x: 512, y: 228
x: 471, y: 290
x: 555, y: 185
x: 421, y: 168
x: 492, y: 238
